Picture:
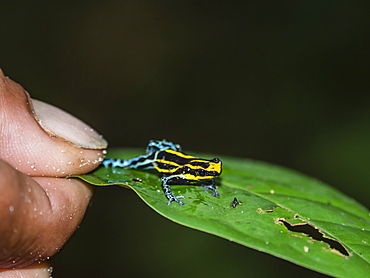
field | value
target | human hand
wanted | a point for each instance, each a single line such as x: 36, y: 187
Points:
x: 39, y: 208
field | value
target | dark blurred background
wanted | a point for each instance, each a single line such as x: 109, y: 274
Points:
x: 283, y: 82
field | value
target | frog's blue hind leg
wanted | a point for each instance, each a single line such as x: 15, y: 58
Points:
x: 160, y: 145
x: 115, y: 162
x: 212, y: 186
x: 167, y: 191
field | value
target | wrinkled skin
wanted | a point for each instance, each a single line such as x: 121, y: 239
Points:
x: 39, y: 208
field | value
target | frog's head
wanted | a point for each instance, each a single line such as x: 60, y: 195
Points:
x: 215, y: 165
x: 204, y: 169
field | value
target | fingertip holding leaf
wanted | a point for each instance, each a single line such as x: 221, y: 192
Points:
x: 41, y: 140
x: 259, y: 207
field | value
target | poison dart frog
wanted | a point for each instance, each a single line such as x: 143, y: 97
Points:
x: 176, y: 167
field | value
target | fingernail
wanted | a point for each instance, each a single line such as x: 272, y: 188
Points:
x: 64, y: 126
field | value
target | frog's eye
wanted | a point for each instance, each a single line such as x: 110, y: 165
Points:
x: 215, y: 160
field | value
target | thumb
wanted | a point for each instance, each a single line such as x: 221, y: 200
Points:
x: 41, y: 140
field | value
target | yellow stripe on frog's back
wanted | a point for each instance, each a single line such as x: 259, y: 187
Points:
x: 180, y: 154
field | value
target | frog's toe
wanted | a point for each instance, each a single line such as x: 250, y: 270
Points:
x: 213, y: 188
x: 215, y: 193
x: 175, y: 199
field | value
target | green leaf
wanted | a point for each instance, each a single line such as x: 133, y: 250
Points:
x: 277, y: 211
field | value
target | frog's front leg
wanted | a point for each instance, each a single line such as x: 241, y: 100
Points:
x: 167, y: 191
x: 212, y: 186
